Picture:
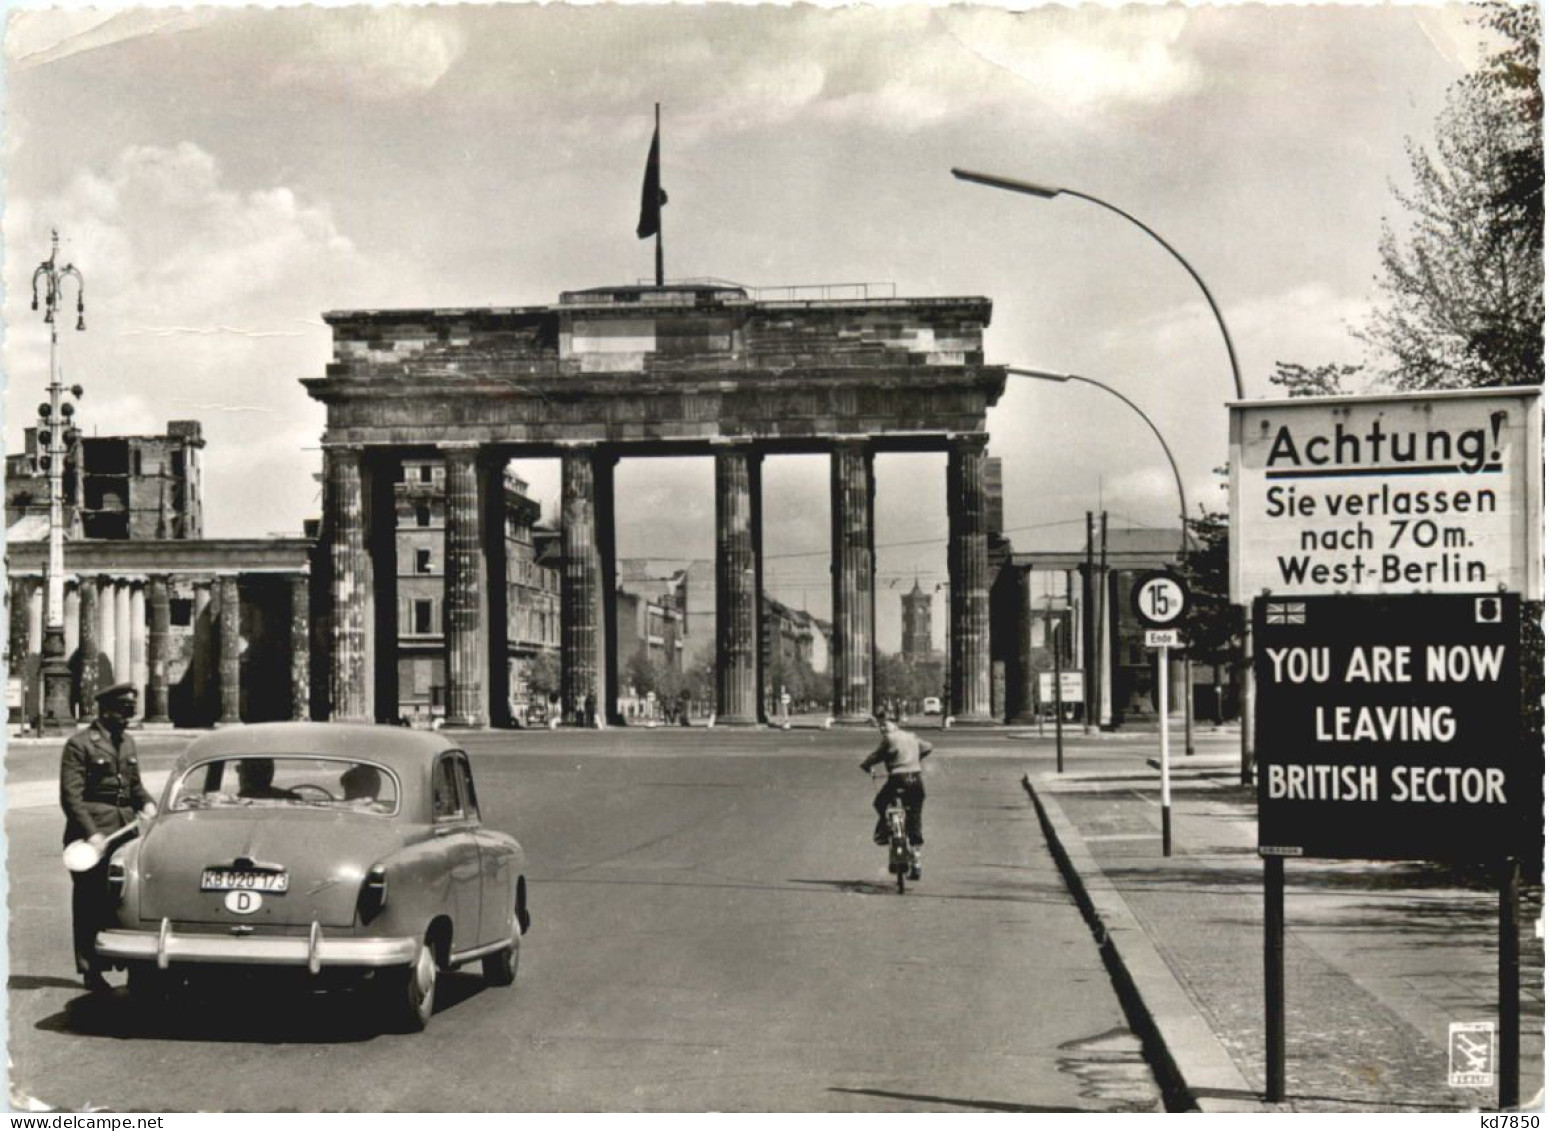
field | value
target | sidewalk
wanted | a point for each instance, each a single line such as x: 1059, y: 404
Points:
x: 1379, y: 957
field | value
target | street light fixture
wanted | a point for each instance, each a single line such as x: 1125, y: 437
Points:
x: 1049, y: 192
x: 56, y: 433
x: 1046, y: 192
x: 1183, y: 505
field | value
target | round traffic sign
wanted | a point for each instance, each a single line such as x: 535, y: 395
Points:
x: 1159, y: 599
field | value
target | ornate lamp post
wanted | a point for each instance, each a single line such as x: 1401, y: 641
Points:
x: 54, y: 437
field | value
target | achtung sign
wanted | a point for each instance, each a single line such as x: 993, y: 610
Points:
x: 1389, y: 728
x: 1407, y: 493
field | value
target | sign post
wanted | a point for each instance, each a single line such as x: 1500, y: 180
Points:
x: 1160, y: 600
x: 1386, y: 544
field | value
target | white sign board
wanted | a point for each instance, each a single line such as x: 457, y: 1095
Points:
x: 1071, y: 691
x: 1162, y: 638
x: 1402, y: 493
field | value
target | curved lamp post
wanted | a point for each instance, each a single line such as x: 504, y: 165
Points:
x: 1049, y: 192
x: 1183, y: 502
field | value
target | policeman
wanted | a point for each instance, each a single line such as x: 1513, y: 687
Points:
x: 100, y: 791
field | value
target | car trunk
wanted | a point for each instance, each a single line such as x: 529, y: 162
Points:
x: 324, y: 855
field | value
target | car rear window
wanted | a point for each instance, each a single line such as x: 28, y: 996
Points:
x: 287, y: 781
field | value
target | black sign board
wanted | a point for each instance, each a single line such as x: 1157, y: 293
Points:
x: 1390, y: 728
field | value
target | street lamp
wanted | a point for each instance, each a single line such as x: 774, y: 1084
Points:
x: 1183, y: 505
x: 1049, y: 192
x: 55, y: 433
x: 1046, y: 192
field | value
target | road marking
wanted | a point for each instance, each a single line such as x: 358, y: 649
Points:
x: 1144, y: 798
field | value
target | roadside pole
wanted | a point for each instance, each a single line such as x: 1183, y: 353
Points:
x: 1274, y: 979
x: 1167, y: 799
x: 1059, y: 712
x: 1509, y: 979
x: 1160, y: 601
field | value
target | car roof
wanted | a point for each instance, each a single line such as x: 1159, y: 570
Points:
x: 397, y: 748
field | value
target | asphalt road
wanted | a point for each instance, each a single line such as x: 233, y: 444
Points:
x: 713, y: 930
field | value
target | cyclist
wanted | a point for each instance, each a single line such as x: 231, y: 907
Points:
x: 901, y: 751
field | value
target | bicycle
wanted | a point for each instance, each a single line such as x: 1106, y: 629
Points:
x: 903, y: 859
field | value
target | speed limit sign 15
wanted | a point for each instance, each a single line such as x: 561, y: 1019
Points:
x: 1159, y: 599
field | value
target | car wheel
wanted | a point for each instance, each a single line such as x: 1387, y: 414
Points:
x: 500, y: 967
x: 412, y: 992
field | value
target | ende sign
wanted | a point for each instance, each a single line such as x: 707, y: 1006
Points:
x: 1389, y: 728
x: 1435, y: 492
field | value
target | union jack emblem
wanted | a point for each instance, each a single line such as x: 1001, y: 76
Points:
x: 1285, y: 612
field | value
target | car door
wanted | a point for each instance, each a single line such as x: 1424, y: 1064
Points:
x: 494, y: 865
x: 454, y: 831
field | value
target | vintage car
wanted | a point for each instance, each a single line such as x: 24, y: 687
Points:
x: 345, y: 853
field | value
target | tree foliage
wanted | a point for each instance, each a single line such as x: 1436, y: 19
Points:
x: 543, y: 675
x: 1313, y: 381
x: 1462, y: 281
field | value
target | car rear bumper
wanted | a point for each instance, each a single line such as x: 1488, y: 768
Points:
x: 166, y: 946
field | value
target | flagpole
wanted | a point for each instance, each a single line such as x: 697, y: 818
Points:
x: 660, y: 280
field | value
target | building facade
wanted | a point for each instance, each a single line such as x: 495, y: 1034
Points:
x: 120, y: 488
x: 530, y: 593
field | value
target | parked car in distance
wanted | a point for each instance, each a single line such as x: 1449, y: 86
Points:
x: 930, y: 705
x: 343, y: 853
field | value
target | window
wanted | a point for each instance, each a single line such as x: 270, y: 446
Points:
x: 445, y: 804
x: 421, y: 561
x: 422, y: 515
x: 425, y: 473
x: 465, y: 780
x: 422, y: 618
x: 181, y: 611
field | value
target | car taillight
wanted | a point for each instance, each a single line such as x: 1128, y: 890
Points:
x: 116, y: 882
x: 373, y: 893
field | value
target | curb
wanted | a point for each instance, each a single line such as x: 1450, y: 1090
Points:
x: 1194, y: 1070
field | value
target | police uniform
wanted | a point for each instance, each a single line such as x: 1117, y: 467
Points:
x: 100, y: 792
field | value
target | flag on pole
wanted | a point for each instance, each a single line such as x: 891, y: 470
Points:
x: 652, y: 197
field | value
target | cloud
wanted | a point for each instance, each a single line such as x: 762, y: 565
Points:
x: 201, y: 299
x: 1072, y: 63
x: 373, y: 53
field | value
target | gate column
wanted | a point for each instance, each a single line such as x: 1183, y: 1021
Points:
x: 968, y: 567
x: 463, y: 595
x: 300, y: 647
x: 230, y: 633
x: 583, y: 632
x: 853, y: 489
x: 349, y: 566
x: 90, y: 646
x: 159, y: 647
x: 737, y: 598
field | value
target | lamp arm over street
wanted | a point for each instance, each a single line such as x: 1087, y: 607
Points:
x: 1047, y: 192
x: 1183, y: 502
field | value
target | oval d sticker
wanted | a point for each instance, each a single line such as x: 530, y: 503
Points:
x: 243, y: 902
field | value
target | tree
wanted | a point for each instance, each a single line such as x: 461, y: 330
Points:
x: 1463, y: 285
x: 543, y: 675
x: 1313, y: 381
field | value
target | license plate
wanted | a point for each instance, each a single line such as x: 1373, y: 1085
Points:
x: 225, y: 879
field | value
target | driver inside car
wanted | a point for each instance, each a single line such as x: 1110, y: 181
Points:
x: 256, y: 778
x: 361, y: 783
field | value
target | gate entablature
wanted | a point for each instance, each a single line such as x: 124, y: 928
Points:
x: 642, y: 364
x: 647, y: 370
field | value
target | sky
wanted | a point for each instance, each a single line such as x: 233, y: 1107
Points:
x: 222, y: 176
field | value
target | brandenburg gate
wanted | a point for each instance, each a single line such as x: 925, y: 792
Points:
x: 642, y: 371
